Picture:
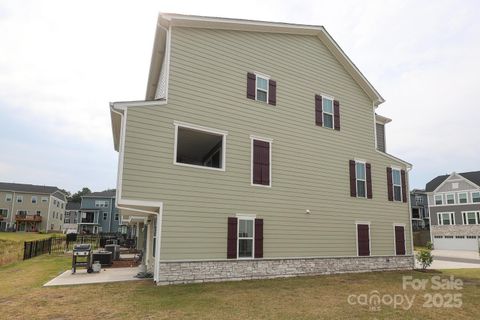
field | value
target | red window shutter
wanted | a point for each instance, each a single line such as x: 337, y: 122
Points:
x: 258, y: 238
x: 353, y: 179
x: 400, y: 240
x: 272, y: 92
x: 404, y: 186
x: 261, y: 162
x: 232, y: 238
x: 389, y: 184
x: 368, y: 167
x: 251, y: 79
x: 363, y: 239
x: 318, y: 110
x: 336, y: 115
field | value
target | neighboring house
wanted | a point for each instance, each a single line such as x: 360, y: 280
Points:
x: 98, y: 213
x: 255, y: 154
x: 72, y: 214
x: 33, y: 208
x: 420, y: 213
x: 454, y: 203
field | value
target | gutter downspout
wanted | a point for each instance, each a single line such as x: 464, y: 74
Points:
x: 118, y: 198
x: 410, y: 216
x: 48, y: 213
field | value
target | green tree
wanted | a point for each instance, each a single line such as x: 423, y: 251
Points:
x: 77, y: 197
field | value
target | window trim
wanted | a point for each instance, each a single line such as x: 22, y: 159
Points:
x: 458, y: 197
x: 369, y: 237
x: 396, y: 185
x: 104, y: 215
x: 44, y: 199
x: 451, y: 218
x: 100, y: 205
x: 471, y: 194
x: 6, y: 197
x: 251, y: 218
x: 446, y: 198
x: 4, y: 209
x: 265, y: 77
x: 223, y: 133
x: 465, y: 219
x: 435, y: 200
x: 364, y: 180
x: 269, y: 141
x: 32, y: 198
x: 19, y: 197
x: 332, y: 113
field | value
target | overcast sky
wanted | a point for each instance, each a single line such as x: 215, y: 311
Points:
x: 62, y: 62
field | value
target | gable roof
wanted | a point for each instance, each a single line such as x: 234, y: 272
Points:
x: 166, y: 20
x: 73, y: 206
x: 30, y: 188
x: 102, y: 194
x: 472, y: 176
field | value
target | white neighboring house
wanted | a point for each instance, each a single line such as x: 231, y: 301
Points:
x: 454, y: 203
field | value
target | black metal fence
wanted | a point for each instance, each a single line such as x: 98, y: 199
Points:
x: 35, y: 248
x: 64, y: 244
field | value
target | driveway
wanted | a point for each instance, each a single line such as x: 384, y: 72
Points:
x: 454, y: 259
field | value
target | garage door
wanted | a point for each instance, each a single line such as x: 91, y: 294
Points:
x: 455, y: 243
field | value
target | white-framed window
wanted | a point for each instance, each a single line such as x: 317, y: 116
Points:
x: 61, y: 205
x: 44, y: 199
x: 245, y: 242
x: 4, y: 213
x: 419, y: 199
x: 22, y: 212
x: 450, y: 198
x: 54, y: 202
x: 397, y: 184
x: 39, y: 213
x: 438, y: 199
x: 361, y: 179
x: 34, y: 199
x: 105, y: 214
x: 476, y: 196
x: 470, y: 217
x: 101, y: 203
x: 199, y: 147
x: 8, y: 197
x: 463, y: 197
x: 327, y: 110
x: 19, y: 199
x: 445, y: 218
x: 261, y: 161
x: 61, y: 216
x: 261, y: 87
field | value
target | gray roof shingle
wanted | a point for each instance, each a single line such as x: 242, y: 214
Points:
x: 20, y: 187
x: 473, y: 176
x: 102, y: 194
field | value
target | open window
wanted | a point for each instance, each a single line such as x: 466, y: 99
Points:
x: 199, y: 146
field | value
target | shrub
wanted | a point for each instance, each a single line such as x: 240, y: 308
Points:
x: 429, y: 245
x: 425, y: 258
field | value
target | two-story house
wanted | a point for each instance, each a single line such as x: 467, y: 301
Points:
x: 420, y: 213
x: 32, y: 208
x: 255, y: 154
x: 454, y: 203
x: 97, y: 213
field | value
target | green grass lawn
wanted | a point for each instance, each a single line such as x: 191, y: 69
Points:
x: 25, y: 236
x: 323, y: 297
x: 11, y: 244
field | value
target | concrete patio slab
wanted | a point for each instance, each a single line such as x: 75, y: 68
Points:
x: 104, y: 276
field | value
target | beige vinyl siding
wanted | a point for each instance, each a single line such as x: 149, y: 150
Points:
x: 309, y: 163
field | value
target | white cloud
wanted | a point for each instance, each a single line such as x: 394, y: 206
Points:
x: 61, y: 62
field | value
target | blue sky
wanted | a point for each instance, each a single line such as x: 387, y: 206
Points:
x: 61, y: 63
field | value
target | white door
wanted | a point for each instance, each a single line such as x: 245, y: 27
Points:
x: 455, y: 244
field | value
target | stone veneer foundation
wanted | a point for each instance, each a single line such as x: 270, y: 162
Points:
x: 229, y: 270
x: 456, y: 230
